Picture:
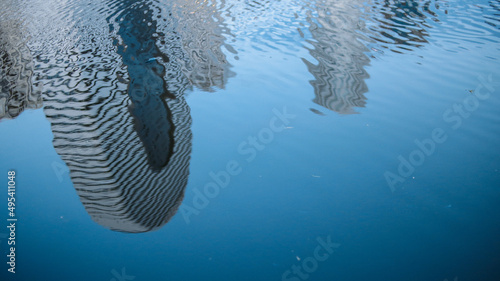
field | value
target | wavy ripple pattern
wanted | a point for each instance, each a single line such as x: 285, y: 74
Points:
x: 16, y: 71
x: 403, y: 25
x: 346, y: 34
x: 114, y: 94
x: 114, y: 74
x: 195, y: 44
x: 339, y: 73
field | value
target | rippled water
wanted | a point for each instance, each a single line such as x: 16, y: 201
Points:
x: 237, y: 136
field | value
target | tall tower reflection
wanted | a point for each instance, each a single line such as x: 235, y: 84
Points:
x: 126, y: 137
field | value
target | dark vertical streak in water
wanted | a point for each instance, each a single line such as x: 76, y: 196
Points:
x: 146, y: 89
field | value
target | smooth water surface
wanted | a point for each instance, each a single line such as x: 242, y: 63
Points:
x: 251, y: 140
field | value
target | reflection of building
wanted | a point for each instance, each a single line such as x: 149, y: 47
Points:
x: 339, y: 71
x: 195, y: 46
x: 401, y: 25
x: 128, y: 165
x: 16, y: 71
x: 119, y: 118
x: 340, y: 30
x: 110, y: 169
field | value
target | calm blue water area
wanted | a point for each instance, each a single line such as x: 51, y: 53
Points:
x: 318, y: 174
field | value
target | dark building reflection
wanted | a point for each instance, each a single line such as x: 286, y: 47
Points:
x: 341, y: 31
x: 16, y: 70
x: 402, y: 24
x: 124, y: 128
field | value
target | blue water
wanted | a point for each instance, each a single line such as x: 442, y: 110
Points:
x: 296, y: 125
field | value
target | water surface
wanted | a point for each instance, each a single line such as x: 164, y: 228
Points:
x: 227, y: 140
